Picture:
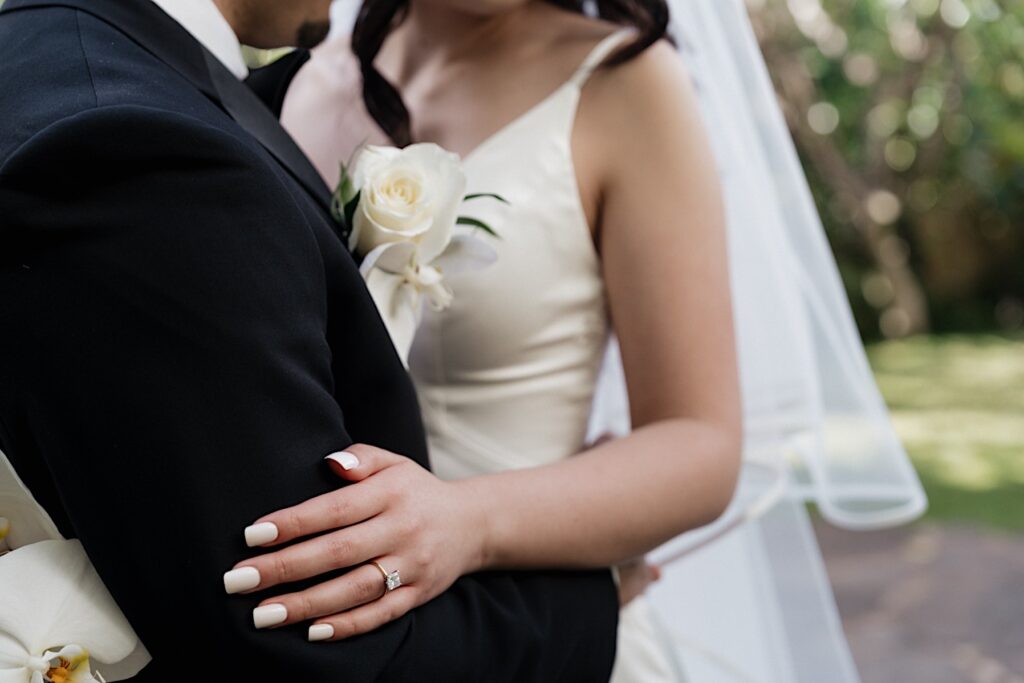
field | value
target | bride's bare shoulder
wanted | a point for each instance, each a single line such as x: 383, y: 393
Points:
x: 640, y: 113
x: 657, y: 67
x: 653, y: 86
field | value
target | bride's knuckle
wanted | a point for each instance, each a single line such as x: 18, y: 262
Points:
x: 338, y: 550
x: 408, y: 526
x: 292, y: 520
x: 305, y: 606
x: 422, y: 558
x: 280, y: 568
x: 338, y: 509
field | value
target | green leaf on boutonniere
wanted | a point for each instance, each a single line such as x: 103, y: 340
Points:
x: 487, y: 195
x: 466, y: 220
x: 346, y: 188
x: 343, y: 195
x: 350, y: 208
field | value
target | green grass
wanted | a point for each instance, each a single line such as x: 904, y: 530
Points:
x: 958, y: 405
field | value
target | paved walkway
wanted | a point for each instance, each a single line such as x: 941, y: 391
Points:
x: 930, y: 604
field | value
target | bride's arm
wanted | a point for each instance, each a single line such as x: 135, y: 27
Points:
x: 665, y: 266
x: 663, y: 246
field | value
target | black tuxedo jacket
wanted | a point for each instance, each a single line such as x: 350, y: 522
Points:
x: 183, y: 338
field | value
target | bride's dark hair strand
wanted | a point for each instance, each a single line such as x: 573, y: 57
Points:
x: 376, y: 20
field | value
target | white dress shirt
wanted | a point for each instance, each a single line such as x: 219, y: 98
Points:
x: 204, y: 21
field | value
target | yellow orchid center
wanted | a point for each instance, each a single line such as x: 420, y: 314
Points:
x: 61, y: 673
x: 5, y: 530
x: 65, y: 666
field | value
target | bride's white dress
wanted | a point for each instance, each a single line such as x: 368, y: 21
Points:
x: 506, y: 375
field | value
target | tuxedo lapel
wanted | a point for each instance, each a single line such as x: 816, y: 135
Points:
x: 271, y: 82
x: 252, y: 114
x: 146, y: 24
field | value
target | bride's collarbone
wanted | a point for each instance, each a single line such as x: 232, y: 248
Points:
x: 464, y: 105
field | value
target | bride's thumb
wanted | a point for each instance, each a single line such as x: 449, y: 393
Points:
x: 360, y: 461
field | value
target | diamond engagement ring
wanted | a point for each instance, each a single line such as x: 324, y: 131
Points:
x: 392, y: 580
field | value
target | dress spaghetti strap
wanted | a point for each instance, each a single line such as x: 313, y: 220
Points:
x: 601, y: 52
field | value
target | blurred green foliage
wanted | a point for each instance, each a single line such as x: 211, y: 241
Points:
x: 957, y: 404
x: 909, y: 116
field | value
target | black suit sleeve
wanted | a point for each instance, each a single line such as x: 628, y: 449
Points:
x: 162, y: 325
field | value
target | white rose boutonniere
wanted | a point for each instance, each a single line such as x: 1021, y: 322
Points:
x: 402, y: 208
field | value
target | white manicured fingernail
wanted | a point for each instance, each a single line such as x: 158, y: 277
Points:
x: 241, y: 579
x: 345, y: 459
x: 258, y: 534
x: 321, y: 632
x: 268, y: 615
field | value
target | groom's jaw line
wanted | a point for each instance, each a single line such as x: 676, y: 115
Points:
x: 241, y: 579
x: 312, y: 33
x: 269, y: 615
x: 276, y: 24
x: 258, y: 534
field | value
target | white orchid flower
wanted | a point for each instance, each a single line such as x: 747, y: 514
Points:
x: 57, y: 619
x: 69, y: 665
x: 55, y: 612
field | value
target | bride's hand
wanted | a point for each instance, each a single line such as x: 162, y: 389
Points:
x: 399, y: 514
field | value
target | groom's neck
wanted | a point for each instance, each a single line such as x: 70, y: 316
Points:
x: 233, y: 12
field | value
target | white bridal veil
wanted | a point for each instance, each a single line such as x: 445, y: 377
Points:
x: 748, y: 599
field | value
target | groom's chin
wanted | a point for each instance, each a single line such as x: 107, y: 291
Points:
x: 312, y: 33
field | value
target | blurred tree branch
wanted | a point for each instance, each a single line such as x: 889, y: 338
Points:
x: 917, y: 163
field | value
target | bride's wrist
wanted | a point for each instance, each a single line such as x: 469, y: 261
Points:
x: 476, y: 509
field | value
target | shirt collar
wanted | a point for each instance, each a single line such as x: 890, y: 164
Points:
x: 204, y: 21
